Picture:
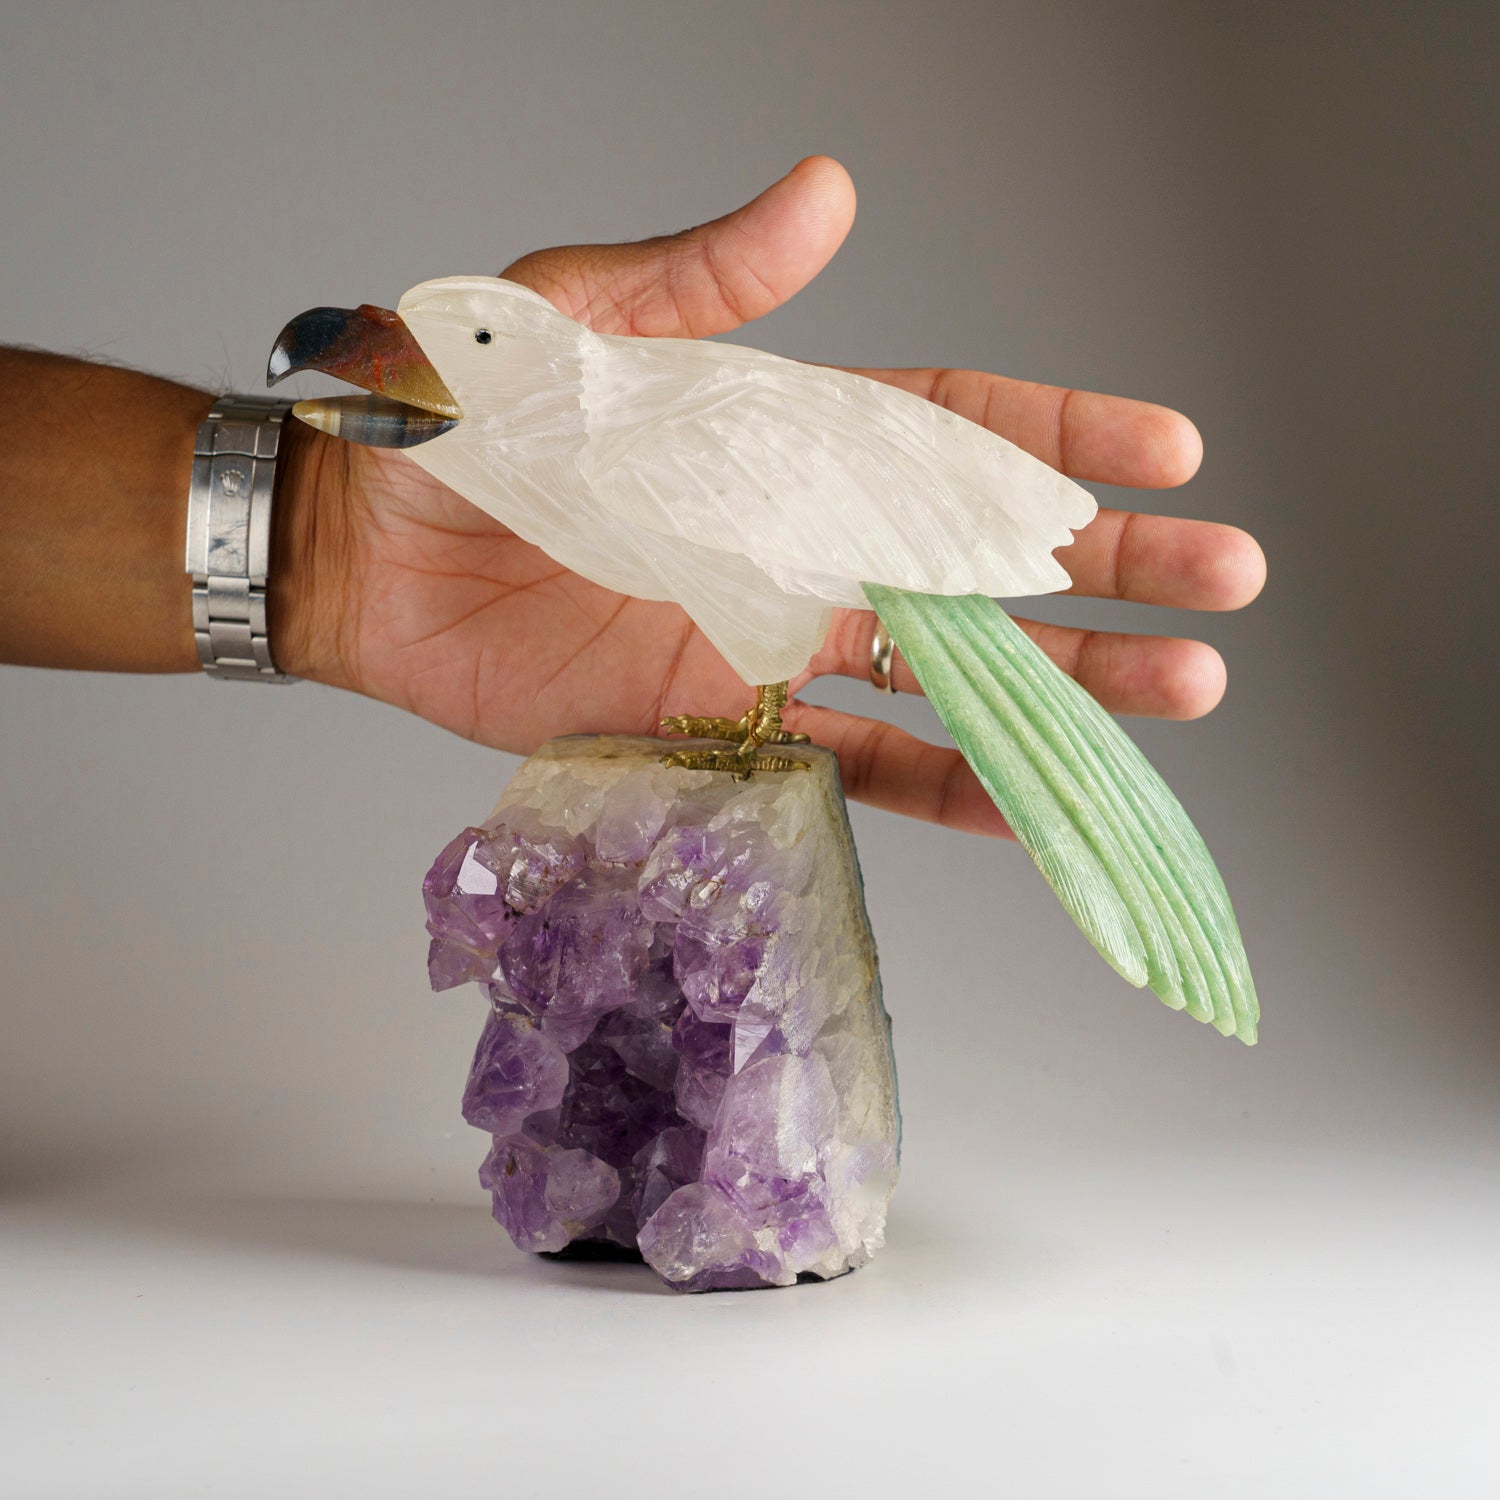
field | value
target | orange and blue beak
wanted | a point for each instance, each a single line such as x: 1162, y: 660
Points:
x: 372, y: 348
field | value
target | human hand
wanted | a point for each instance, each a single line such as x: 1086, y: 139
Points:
x: 397, y: 588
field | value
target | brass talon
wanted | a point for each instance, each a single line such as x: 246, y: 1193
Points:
x: 706, y: 729
x: 774, y: 763
x: 711, y: 760
x: 760, y: 726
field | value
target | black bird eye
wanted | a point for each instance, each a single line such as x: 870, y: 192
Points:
x: 482, y: 335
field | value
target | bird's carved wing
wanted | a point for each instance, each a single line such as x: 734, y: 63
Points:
x: 765, y: 633
x: 1102, y: 826
x: 822, y: 478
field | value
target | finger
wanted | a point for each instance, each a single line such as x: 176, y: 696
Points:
x: 1148, y: 559
x: 848, y: 650
x: 1150, y: 676
x: 709, y: 279
x: 1106, y: 439
x: 889, y: 768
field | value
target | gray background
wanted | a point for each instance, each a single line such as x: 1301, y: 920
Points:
x: 245, y: 1253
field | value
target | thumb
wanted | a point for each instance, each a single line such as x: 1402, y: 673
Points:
x: 709, y: 279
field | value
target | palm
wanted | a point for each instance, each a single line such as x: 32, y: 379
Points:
x: 481, y: 632
x: 448, y: 614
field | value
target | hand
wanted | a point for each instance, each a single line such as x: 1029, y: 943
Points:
x: 400, y: 589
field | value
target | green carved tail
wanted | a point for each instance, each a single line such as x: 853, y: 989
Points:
x: 1101, y: 825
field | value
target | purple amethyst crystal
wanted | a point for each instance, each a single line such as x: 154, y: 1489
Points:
x: 644, y: 1044
x: 707, y: 1052
x: 665, y: 1163
x: 580, y: 952
x: 451, y: 964
x: 547, y: 1196
x: 517, y: 1072
x: 686, y: 1051
x: 698, y: 1241
x: 466, y: 913
x: 481, y: 885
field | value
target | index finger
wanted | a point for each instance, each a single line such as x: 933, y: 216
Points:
x: 1089, y: 436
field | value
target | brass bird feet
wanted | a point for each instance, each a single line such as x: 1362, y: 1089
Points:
x: 759, y: 727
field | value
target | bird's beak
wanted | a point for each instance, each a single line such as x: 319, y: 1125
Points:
x: 373, y: 349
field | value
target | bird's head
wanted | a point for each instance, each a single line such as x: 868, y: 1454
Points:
x: 452, y: 347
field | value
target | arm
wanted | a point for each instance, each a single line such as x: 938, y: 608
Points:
x: 386, y: 583
x: 94, y: 468
x: 94, y: 465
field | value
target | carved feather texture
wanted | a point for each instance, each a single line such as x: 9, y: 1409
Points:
x: 754, y: 491
x: 1104, y: 829
x: 757, y: 493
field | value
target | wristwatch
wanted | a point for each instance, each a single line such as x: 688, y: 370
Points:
x: 229, y: 536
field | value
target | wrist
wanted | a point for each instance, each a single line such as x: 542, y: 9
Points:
x: 310, y: 556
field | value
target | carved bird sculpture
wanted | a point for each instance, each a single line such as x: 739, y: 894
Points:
x: 759, y: 493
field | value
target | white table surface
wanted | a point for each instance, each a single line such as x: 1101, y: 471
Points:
x: 1157, y: 1325
x: 243, y: 1252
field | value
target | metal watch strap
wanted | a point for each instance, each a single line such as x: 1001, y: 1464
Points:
x: 229, y: 536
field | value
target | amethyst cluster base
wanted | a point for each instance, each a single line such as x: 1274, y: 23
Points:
x: 686, y: 1051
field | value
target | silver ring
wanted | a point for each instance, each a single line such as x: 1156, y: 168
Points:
x: 882, y: 654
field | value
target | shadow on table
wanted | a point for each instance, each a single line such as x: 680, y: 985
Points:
x: 438, y: 1239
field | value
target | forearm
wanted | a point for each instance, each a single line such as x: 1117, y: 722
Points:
x: 94, y: 466
x: 94, y: 470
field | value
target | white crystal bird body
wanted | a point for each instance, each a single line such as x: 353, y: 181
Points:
x: 758, y: 493
x: 754, y: 491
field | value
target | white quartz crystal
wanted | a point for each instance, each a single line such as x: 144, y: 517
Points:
x: 757, y: 492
